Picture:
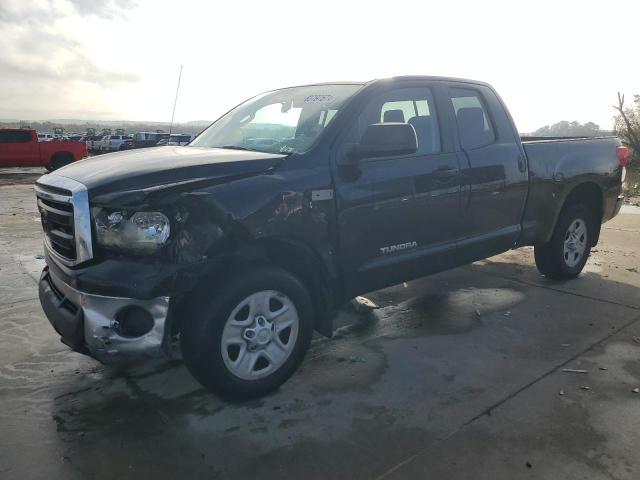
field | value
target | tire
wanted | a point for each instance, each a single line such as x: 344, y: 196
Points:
x: 59, y: 161
x: 566, y: 254
x: 234, y: 315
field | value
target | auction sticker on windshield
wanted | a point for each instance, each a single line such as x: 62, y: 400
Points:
x: 319, y: 99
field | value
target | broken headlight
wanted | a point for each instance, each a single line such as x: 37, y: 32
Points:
x: 137, y: 232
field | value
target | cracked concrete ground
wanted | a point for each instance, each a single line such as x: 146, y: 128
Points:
x: 459, y: 375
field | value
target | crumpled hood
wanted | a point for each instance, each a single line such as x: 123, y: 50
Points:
x: 154, y: 167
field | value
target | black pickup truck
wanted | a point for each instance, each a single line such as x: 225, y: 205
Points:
x: 241, y: 244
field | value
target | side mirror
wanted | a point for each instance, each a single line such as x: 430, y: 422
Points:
x: 384, y: 140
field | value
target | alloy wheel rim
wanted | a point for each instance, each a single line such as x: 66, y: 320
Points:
x: 259, y: 335
x: 575, y: 242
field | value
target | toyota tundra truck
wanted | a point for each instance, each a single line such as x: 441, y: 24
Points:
x: 237, y: 247
x: 20, y: 147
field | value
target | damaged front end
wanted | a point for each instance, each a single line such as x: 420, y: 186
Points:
x: 150, y: 248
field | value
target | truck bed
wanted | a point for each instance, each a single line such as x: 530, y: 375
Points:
x: 530, y: 139
x: 556, y: 166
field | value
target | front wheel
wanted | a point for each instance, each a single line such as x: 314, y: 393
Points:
x: 566, y: 254
x: 252, y: 336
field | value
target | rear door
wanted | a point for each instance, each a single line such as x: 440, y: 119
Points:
x: 397, y: 215
x: 494, y: 172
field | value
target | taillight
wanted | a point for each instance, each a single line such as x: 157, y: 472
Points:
x: 622, y: 153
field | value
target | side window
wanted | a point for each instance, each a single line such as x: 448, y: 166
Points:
x: 414, y: 106
x: 15, y: 136
x: 23, y: 137
x: 474, y: 126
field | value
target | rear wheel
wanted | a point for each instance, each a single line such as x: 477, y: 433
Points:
x: 252, y: 336
x: 566, y: 254
x: 59, y: 160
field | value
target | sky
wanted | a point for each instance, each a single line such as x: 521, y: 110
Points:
x: 119, y: 59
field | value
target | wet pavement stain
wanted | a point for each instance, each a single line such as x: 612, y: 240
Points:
x: 448, y: 313
x: 444, y: 312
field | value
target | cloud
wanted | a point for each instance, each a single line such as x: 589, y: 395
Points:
x: 64, y: 60
x: 39, y: 11
x: 44, y: 68
x: 103, y: 8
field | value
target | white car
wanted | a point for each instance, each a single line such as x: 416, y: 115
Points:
x: 112, y: 143
x: 45, y: 137
x: 180, y: 139
x: 99, y: 145
x: 93, y: 142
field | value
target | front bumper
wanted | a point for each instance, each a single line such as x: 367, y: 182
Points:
x: 618, y: 205
x: 87, y: 322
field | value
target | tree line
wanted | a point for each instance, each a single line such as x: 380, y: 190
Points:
x: 626, y: 126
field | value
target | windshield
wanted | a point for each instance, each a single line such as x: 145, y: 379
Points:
x: 282, y: 121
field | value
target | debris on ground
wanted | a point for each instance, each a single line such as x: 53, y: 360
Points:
x: 561, y: 392
x: 39, y: 257
x: 478, y: 314
x: 507, y: 313
x: 574, y: 370
x: 636, y: 339
x: 528, y: 464
x: 636, y: 390
x: 602, y: 368
x: 584, y: 387
x: 363, y: 305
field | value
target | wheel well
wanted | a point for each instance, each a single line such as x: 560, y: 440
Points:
x: 62, y: 156
x: 591, y: 195
x: 304, y: 263
x: 288, y: 254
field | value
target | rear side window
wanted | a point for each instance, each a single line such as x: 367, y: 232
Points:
x: 474, y: 125
x: 15, y: 136
x: 414, y: 106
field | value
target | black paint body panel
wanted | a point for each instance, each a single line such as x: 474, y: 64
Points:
x: 450, y: 208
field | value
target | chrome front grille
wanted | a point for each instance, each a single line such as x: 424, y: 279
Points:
x: 57, y: 223
x: 64, y: 210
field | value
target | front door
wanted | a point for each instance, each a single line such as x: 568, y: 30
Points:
x: 396, y: 212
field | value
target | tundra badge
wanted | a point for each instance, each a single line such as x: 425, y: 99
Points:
x: 398, y: 247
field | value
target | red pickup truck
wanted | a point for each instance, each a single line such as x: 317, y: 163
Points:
x: 19, y: 147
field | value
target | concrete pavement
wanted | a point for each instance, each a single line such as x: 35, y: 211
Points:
x: 458, y: 375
